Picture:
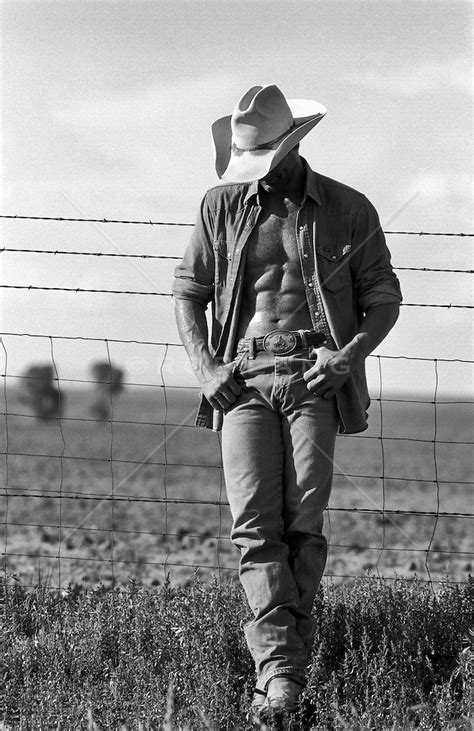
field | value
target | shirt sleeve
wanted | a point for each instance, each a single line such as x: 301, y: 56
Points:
x: 194, y: 275
x: 373, y: 275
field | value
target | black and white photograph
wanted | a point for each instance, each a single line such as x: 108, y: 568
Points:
x: 236, y: 356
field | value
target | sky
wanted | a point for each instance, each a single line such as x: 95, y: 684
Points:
x: 107, y: 108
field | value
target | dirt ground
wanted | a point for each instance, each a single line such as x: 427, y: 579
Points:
x: 143, y: 497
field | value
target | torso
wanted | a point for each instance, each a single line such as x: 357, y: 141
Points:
x: 274, y: 294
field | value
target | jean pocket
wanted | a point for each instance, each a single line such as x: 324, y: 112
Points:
x: 239, y: 365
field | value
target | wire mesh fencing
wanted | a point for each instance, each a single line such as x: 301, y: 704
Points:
x: 105, y: 478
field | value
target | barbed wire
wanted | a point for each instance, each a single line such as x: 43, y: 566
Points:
x: 91, y: 339
x: 184, y: 387
x: 199, y: 536
x: 61, y: 219
x: 428, y: 233
x: 168, y: 344
x: 64, y: 495
x: 192, y: 426
x: 77, y: 290
x: 176, y: 223
x: 449, y: 306
x: 63, y: 252
x: 327, y: 578
x: 126, y: 561
x: 198, y: 465
x: 123, y: 498
x: 432, y: 269
x: 81, y: 290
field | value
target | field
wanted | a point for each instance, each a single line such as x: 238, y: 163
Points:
x: 166, y: 480
x: 387, y: 655
x: 139, y: 502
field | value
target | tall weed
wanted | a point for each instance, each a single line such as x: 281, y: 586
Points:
x: 386, y: 656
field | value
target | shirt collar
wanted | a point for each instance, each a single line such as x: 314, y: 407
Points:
x: 253, y: 191
x: 310, y: 187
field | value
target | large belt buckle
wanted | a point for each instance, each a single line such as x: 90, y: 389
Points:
x: 279, y: 342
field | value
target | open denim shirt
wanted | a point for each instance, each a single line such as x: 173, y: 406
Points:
x: 345, y: 265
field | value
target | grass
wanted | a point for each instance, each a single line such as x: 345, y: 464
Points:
x: 387, y: 655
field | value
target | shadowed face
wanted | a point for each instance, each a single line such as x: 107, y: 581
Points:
x: 287, y: 176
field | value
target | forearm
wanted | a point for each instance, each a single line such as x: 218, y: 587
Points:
x: 193, y: 331
x: 216, y: 379
x: 375, y: 327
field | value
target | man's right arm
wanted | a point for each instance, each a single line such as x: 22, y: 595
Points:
x: 193, y: 288
x: 215, y: 378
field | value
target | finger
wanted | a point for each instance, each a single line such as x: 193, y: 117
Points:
x: 329, y: 393
x: 225, y: 397
x: 316, y: 383
x: 323, y: 390
x: 235, y: 387
x: 312, y: 372
x: 319, y: 393
x: 220, y: 402
x: 227, y: 392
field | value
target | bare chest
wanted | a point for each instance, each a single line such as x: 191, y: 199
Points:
x: 273, y: 244
x: 274, y: 295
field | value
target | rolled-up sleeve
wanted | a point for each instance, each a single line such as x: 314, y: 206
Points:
x: 194, y: 275
x: 373, y: 276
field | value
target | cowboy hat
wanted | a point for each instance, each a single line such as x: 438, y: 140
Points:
x: 263, y: 128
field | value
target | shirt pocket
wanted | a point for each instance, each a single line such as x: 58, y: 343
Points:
x: 333, y: 250
x: 222, y: 259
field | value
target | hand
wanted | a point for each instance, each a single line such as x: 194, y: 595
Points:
x: 219, y: 386
x: 331, y: 370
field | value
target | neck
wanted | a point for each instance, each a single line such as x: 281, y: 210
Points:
x: 287, y: 180
x: 297, y: 181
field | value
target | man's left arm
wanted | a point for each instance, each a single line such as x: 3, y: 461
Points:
x: 378, y: 295
x: 333, y: 367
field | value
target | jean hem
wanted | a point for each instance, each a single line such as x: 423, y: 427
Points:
x: 295, y: 673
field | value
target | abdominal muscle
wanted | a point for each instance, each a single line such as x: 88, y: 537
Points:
x: 273, y: 297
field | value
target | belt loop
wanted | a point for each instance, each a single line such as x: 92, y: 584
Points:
x: 252, y: 348
x: 304, y: 340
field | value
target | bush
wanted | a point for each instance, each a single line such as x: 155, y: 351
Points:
x: 386, y: 655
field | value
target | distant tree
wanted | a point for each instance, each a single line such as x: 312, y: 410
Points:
x: 108, y: 381
x: 41, y: 393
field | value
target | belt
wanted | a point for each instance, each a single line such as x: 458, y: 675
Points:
x: 281, y: 342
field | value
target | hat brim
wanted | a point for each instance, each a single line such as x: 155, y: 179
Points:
x: 235, y: 166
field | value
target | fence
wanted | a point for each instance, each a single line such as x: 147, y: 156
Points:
x: 134, y: 492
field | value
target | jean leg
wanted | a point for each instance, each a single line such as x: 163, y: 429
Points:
x: 309, y: 433
x: 253, y: 458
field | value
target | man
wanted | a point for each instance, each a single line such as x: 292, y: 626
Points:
x: 302, y: 290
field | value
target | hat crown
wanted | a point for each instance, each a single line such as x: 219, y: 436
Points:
x: 261, y: 116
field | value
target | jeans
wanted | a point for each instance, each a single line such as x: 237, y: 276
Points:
x: 278, y: 447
